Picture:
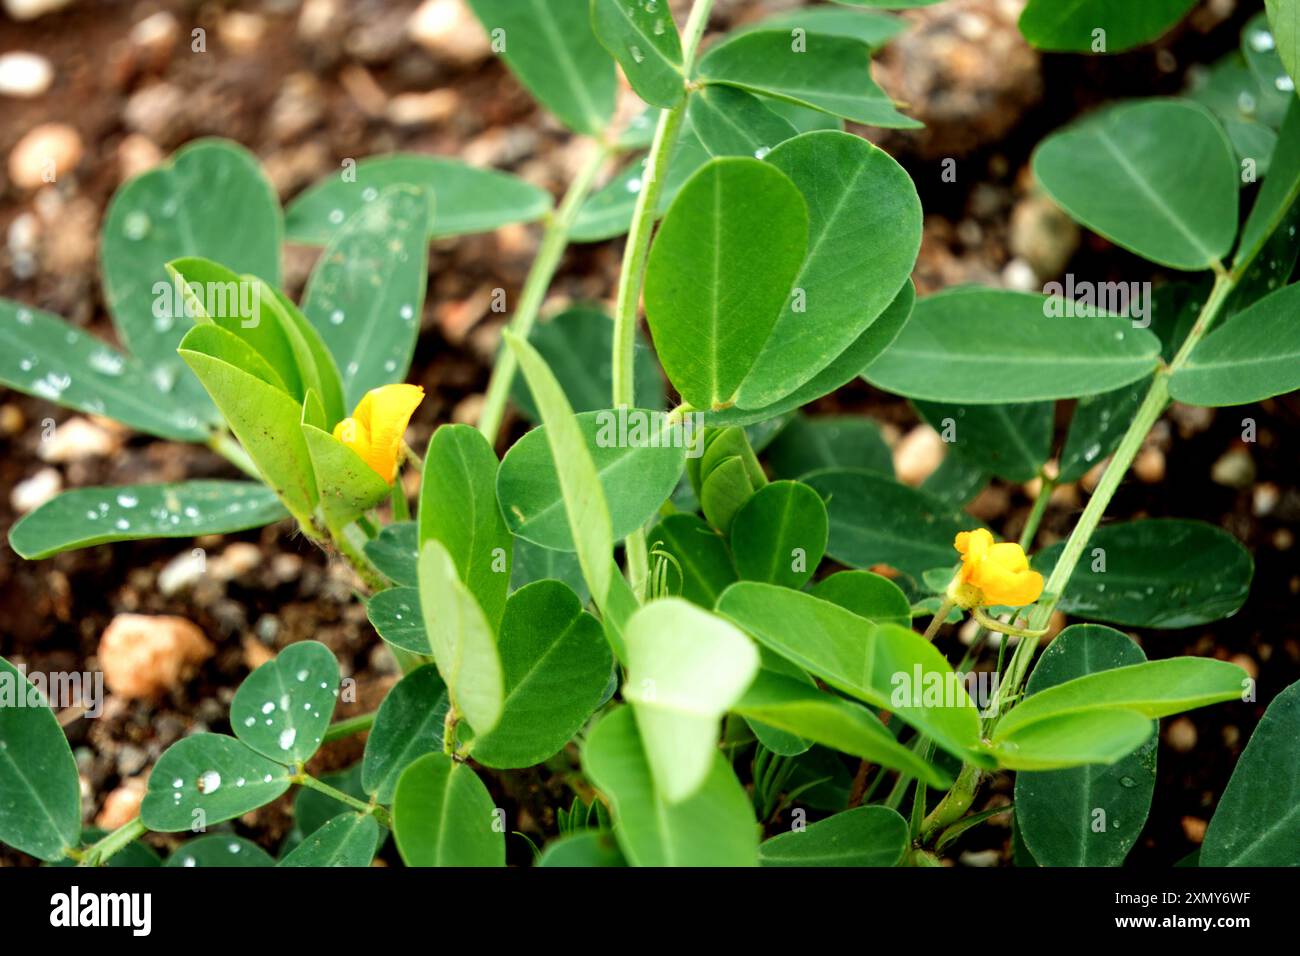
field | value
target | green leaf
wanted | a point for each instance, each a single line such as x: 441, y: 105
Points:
x: 864, y: 836
x: 830, y: 441
x: 578, y: 344
x: 1097, y: 428
x: 551, y: 47
x: 208, y: 779
x: 1039, y: 356
x: 219, y: 850
x: 874, y: 520
x: 1154, y: 689
x: 245, y: 307
x: 462, y: 640
x: 43, y: 355
x: 864, y: 233
x: 283, y: 708
x: 532, y: 563
x: 350, y: 839
x: 1073, y: 27
x: 842, y: 370
x: 700, y: 562
x: 556, y: 666
x: 956, y: 482
x: 1284, y: 17
x: 210, y: 199
x: 1157, y: 177
x: 590, y: 526
x: 348, y: 487
x: 878, y: 664
x: 1257, y: 821
x: 873, y: 29
x: 409, y: 725
x: 458, y: 507
x: 1009, y: 441
x: 1278, y: 194
x: 1058, y: 812
x: 719, y: 274
x: 713, y: 827
x: 1073, y: 740
x: 831, y: 74
x: 1262, y: 54
x: 584, y: 848
x: 798, y: 708
x: 644, y: 40
x: 265, y: 419
x: 779, y: 535
x: 637, y: 463
x: 1254, y: 356
x: 1164, y: 573
x: 468, y: 199
x: 394, y: 551
x: 366, y: 293
x: 685, y: 668
x: 731, y: 122
x: 88, y: 516
x: 321, y: 372
x: 40, y: 791
x: 868, y: 595
x: 395, y: 615
x: 444, y: 816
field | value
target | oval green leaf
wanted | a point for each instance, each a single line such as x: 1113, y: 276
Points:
x: 283, y: 708
x: 350, y: 839
x: 208, y: 779
x: 779, y: 534
x: 444, y: 816
x: 409, y: 725
x: 863, y: 836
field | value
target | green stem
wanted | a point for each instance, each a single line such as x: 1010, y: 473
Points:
x: 962, y: 795
x: 635, y: 253
x: 940, y: 616
x: 373, y: 809
x: 113, y: 843
x: 356, y: 557
x: 224, y: 444
x: 348, y: 726
x: 1047, y: 486
x: 401, y: 507
x: 554, y: 241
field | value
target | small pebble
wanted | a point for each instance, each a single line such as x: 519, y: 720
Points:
x: 24, y: 75
x: 78, y: 439
x: 144, y: 655
x: 30, y: 494
x: 449, y: 31
x: 918, y: 454
x: 1181, y: 735
x: 44, y: 154
x: 122, y: 805
x: 31, y: 9
x: 1235, y: 469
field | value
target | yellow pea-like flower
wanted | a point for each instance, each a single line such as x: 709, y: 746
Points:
x: 376, y: 427
x: 993, y: 573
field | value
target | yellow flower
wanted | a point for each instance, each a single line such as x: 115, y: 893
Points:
x: 376, y: 427
x: 993, y: 573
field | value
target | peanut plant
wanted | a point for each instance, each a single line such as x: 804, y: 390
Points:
x: 669, y: 605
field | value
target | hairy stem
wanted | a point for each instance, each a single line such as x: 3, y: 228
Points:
x: 636, y: 251
x: 554, y: 241
x: 100, y: 853
x: 373, y: 809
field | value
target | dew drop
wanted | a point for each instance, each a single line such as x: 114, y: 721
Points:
x: 337, y: 317
x: 136, y: 226
x: 128, y: 501
x: 302, y: 676
x: 209, y: 782
x: 336, y: 216
x: 287, y: 738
